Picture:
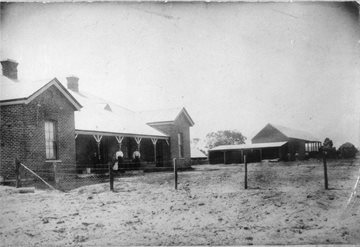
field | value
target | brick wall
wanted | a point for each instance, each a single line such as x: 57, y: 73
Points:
x: 11, y: 138
x: 181, y: 125
x: 23, y: 132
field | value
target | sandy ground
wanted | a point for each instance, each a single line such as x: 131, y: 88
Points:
x: 285, y: 204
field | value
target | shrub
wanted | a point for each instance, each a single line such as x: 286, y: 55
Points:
x: 347, y: 150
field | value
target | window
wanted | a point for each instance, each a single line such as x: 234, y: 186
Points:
x: 181, y: 145
x: 50, y: 140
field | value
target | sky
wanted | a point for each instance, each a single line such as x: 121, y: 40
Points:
x: 233, y: 66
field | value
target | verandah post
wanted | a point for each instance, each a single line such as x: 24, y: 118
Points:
x: 245, y: 180
x: 325, y: 170
x: 17, y: 173
x: 111, y: 177
x: 175, y: 173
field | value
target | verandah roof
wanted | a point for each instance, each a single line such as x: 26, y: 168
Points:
x: 108, y: 123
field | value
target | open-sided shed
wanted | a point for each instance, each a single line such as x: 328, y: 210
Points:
x: 229, y: 154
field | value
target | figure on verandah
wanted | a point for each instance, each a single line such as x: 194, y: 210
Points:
x: 136, y: 159
x: 119, y: 155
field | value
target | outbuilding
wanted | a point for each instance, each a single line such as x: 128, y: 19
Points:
x: 273, y: 142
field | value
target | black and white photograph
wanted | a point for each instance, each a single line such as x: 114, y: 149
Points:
x: 179, y: 123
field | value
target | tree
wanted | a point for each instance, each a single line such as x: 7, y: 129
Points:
x: 224, y: 137
x: 328, y: 144
x: 347, y: 150
x: 329, y: 148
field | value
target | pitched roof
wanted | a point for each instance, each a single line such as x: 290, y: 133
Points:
x: 196, y: 153
x: 96, y: 115
x: 248, y: 146
x: 18, y: 92
x: 165, y: 115
x: 100, y: 115
x: 292, y: 133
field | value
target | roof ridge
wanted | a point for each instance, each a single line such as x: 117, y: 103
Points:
x: 283, y: 129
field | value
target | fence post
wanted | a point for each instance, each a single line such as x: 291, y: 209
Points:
x: 245, y: 180
x: 55, y: 176
x: 111, y: 177
x: 17, y: 173
x: 175, y: 173
x: 325, y: 170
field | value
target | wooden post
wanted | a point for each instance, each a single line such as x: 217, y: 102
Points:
x: 98, y: 150
x: 224, y: 157
x: 245, y: 163
x: 154, y: 141
x: 155, y: 153
x: 175, y: 173
x: 111, y: 177
x: 98, y: 140
x: 325, y: 171
x: 17, y: 173
x: 55, y: 177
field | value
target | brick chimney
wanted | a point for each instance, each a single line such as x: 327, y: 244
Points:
x: 73, y: 83
x: 9, y: 69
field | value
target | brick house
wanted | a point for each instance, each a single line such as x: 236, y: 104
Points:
x: 49, y: 121
x: 37, y: 122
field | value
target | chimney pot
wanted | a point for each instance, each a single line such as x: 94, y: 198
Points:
x: 9, y: 69
x: 73, y: 83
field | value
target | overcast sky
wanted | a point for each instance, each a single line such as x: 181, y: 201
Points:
x: 232, y: 65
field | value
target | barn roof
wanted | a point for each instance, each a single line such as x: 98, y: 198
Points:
x: 248, y: 146
x: 19, y: 92
x: 165, y: 115
x: 293, y: 133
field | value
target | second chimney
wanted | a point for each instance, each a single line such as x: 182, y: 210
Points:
x: 73, y: 83
x: 9, y: 69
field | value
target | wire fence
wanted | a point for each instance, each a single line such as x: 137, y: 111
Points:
x: 66, y: 177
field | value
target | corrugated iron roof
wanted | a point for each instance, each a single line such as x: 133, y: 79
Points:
x: 164, y: 115
x: 297, y: 134
x: 25, y: 91
x: 95, y: 117
x: 196, y: 153
x: 248, y: 146
x: 96, y: 114
x: 12, y: 90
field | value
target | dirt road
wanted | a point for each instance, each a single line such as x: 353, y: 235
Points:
x: 285, y: 204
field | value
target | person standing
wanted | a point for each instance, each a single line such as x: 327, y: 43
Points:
x: 136, y: 158
x: 119, y: 155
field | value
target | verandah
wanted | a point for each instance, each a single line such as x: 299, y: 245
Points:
x: 95, y: 150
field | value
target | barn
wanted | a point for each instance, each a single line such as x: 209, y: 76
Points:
x: 47, y: 122
x: 271, y: 142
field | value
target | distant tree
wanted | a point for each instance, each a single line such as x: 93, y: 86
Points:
x: 347, y: 150
x: 328, y: 144
x: 224, y: 137
x: 329, y: 148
